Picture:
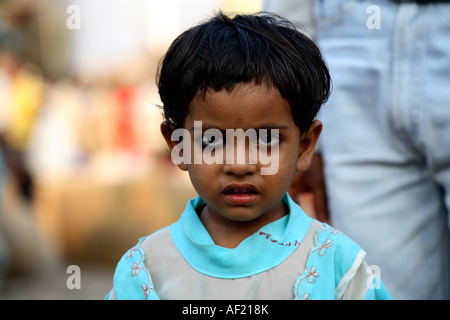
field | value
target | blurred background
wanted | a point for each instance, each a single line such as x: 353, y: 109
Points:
x: 84, y: 171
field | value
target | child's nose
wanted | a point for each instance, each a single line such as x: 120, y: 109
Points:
x: 240, y: 169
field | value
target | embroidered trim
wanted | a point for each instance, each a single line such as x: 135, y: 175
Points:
x: 137, y: 267
x: 269, y: 237
x: 319, y: 249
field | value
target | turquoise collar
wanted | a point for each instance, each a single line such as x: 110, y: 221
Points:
x: 261, y: 251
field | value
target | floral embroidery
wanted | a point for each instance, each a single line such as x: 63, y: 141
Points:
x: 323, y: 247
x: 312, y: 274
x: 147, y: 289
x: 137, y: 267
x: 319, y: 248
x: 306, y: 296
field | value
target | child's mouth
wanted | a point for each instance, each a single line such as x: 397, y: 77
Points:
x: 240, y: 194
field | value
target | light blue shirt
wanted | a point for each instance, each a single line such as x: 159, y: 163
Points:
x: 330, y: 266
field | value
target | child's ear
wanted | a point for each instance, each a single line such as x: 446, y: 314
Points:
x: 166, y: 131
x: 308, y: 145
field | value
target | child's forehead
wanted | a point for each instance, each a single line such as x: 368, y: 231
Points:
x: 250, y: 105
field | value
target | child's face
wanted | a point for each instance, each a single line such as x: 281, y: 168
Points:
x: 237, y: 192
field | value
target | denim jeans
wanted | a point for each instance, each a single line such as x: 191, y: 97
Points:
x: 386, y: 137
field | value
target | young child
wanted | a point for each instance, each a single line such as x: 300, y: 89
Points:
x: 243, y: 237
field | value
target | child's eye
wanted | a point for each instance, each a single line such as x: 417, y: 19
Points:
x: 271, y: 139
x: 212, y: 139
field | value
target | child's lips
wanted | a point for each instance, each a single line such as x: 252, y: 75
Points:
x: 240, y: 194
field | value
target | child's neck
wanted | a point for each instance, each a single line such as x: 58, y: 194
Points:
x: 229, y: 234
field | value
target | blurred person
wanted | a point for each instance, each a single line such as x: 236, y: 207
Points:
x: 124, y: 97
x: 21, y: 92
x: 386, y: 139
x: 243, y: 237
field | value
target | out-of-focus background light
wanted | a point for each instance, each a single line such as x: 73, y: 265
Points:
x: 84, y: 171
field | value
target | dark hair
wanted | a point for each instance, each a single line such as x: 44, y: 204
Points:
x: 224, y: 51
